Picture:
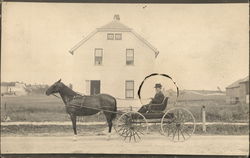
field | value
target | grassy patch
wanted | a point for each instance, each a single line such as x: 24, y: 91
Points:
x: 218, y: 111
x: 223, y: 130
x: 49, y: 108
x: 223, y: 113
x: 33, y: 108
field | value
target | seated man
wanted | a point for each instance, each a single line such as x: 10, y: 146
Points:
x: 158, y: 99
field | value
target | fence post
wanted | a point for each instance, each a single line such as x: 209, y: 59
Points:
x: 6, y: 115
x: 203, y: 113
x: 5, y: 111
x: 5, y: 107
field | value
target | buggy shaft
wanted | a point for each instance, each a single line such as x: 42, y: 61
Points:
x: 82, y: 106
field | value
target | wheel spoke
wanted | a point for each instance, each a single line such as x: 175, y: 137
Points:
x: 178, y: 134
x: 180, y: 127
x: 121, y: 128
x: 168, y: 128
x: 182, y: 134
x: 186, y: 132
x: 127, y: 133
x: 173, y: 130
x: 130, y: 132
x: 140, y: 132
x: 168, y: 132
x: 138, y: 135
x: 134, y: 136
x: 174, y: 134
x: 131, y: 126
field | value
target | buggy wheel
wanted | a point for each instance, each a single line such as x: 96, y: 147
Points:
x: 131, y: 126
x: 178, y: 124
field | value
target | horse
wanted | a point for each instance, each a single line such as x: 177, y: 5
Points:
x: 82, y: 105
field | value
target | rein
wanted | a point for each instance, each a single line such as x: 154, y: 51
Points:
x: 56, y: 96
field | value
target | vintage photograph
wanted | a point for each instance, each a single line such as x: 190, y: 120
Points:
x: 123, y: 78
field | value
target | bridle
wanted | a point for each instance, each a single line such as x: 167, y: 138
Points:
x: 56, y: 96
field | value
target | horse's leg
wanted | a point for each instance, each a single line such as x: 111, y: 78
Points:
x: 73, y: 119
x: 110, y: 124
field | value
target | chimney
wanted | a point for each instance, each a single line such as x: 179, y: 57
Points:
x: 116, y: 17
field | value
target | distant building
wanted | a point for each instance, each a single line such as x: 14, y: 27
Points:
x: 13, y: 88
x: 113, y: 59
x: 238, y: 92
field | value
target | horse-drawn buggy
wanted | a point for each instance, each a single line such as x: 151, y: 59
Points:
x: 177, y: 123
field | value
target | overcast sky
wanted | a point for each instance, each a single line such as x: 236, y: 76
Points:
x: 201, y: 46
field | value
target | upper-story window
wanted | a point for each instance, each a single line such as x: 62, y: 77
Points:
x: 118, y: 36
x: 98, y: 56
x: 114, y: 36
x: 110, y: 36
x: 129, y: 56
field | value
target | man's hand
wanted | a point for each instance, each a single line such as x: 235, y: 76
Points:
x: 149, y: 107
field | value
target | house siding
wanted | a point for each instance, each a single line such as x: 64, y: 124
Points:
x: 239, y: 93
x: 244, y: 92
x: 232, y: 95
x: 113, y: 72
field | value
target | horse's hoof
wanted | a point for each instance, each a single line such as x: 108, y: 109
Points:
x: 75, y: 138
x: 109, y: 136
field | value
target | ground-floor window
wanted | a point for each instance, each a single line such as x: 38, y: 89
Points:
x: 129, y: 89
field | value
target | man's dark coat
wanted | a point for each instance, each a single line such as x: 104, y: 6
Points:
x: 158, y: 98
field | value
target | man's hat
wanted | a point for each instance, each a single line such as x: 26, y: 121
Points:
x: 158, y: 85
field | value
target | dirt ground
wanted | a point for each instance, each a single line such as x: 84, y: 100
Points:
x: 151, y: 144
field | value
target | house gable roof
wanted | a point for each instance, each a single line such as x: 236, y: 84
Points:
x: 246, y: 79
x: 236, y: 83
x: 114, y: 26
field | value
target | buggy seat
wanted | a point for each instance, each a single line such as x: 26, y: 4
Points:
x: 159, y: 107
x: 156, y: 111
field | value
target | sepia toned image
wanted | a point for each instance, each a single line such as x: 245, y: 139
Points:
x: 96, y: 78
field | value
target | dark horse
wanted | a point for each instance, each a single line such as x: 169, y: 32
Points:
x: 77, y: 105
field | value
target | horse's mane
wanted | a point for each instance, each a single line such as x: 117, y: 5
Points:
x: 69, y: 91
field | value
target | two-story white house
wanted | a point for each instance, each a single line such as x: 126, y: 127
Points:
x: 113, y: 59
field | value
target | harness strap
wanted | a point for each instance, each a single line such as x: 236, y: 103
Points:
x: 74, y: 105
x: 78, y: 96
x: 56, y: 96
x: 81, y: 106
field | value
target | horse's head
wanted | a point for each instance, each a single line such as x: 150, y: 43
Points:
x: 55, y: 88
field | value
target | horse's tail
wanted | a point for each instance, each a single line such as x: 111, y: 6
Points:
x: 113, y: 115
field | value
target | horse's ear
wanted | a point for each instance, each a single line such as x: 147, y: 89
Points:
x: 59, y: 80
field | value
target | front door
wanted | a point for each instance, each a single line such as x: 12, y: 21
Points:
x: 95, y: 87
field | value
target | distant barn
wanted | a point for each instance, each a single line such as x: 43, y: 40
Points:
x: 238, y: 92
